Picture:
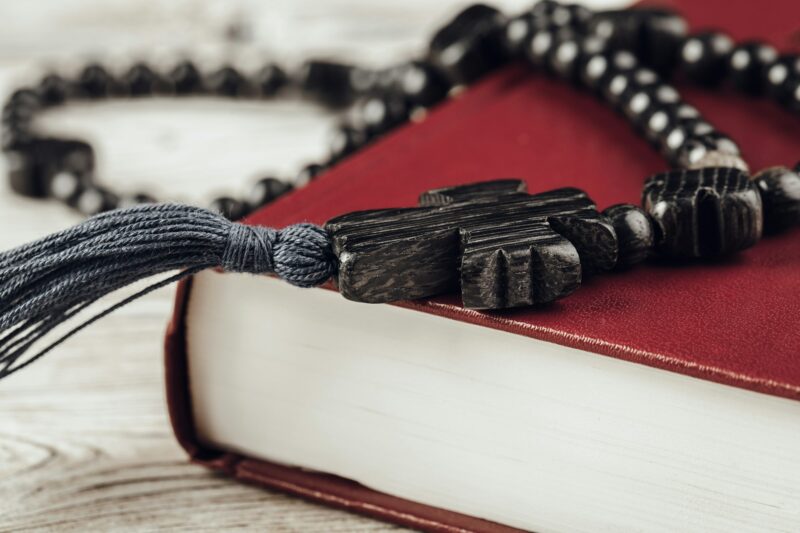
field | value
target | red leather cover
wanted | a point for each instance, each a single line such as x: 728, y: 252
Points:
x: 733, y: 321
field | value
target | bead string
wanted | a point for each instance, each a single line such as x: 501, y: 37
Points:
x: 622, y: 56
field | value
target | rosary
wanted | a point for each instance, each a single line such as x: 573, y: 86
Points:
x: 497, y: 244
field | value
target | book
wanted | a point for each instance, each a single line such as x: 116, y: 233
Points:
x: 658, y: 399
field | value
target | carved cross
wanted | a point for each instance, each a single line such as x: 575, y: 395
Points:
x: 502, y: 246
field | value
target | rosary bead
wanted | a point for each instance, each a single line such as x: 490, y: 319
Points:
x: 228, y: 207
x: 422, y: 84
x: 267, y: 190
x: 53, y: 90
x: 66, y: 187
x: 664, y: 32
x: 793, y: 88
x: 27, y: 98
x: 344, y: 140
x: 36, y: 161
x: 779, y: 77
x: 540, y: 45
x: 470, y: 45
x: 780, y: 194
x: 379, y: 114
x: 185, y: 79
x: 516, y: 33
x: 748, y: 66
x: 327, y: 82
x: 306, y: 175
x: 704, y: 57
x: 95, y: 82
x: 715, y: 158
x: 141, y: 80
x: 227, y: 82
x: 564, y: 58
x: 271, y: 79
x: 635, y: 234
x: 94, y: 200
x: 706, y: 212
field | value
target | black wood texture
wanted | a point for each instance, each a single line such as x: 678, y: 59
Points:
x: 504, y: 247
x: 706, y: 212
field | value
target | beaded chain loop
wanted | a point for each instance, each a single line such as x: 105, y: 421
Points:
x: 622, y: 56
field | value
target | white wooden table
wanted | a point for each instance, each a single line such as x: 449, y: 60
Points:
x: 85, y: 443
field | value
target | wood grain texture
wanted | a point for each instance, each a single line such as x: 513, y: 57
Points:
x: 85, y: 444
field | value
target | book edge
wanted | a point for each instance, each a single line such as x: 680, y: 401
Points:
x: 317, y: 487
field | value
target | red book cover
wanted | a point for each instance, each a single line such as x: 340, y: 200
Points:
x: 733, y: 321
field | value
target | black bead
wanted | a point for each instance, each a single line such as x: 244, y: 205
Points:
x: 704, y: 57
x: 327, y: 82
x: 344, y: 140
x: 421, y: 84
x: 470, y: 45
x: 53, y: 90
x: 780, y: 194
x: 706, y: 212
x: 185, y: 79
x: 793, y: 90
x: 66, y: 186
x: 719, y: 142
x: 228, y: 207
x: 540, y: 46
x: 779, y: 77
x: 663, y: 34
x: 36, y: 161
x: 516, y: 33
x: 618, y: 79
x: 380, y: 113
x: 748, y: 66
x: 95, y: 82
x: 94, y: 200
x: 566, y: 56
x: 25, y: 97
x: 227, y: 81
x: 635, y: 233
x: 306, y: 175
x: 271, y: 79
x: 141, y: 80
x: 267, y: 190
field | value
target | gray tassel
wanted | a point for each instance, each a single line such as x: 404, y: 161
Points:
x: 45, y: 283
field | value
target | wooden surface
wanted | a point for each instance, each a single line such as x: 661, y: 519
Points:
x: 85, y: 443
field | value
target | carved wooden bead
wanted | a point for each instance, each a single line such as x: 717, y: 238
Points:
x: 703, y: 213
x: 704, y: 57
x: 327, y: 82
x: 141, y: 80
x: 748, y: 65
x: 267, y: 190
x: 344, y: 140
x: 271, y: 79
x: 421, y: 84
x: 230, y: 208
x: 470, y: 45
x: 227, y: 81
x: 53, y: 90
x: 780, y: 194
x: 94, y: 200
x: 635, y: 234
x: 95, y: 82
x: 779, y: 76
x: 185, y: 79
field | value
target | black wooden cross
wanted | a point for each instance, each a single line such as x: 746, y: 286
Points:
x: 504, y: 247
